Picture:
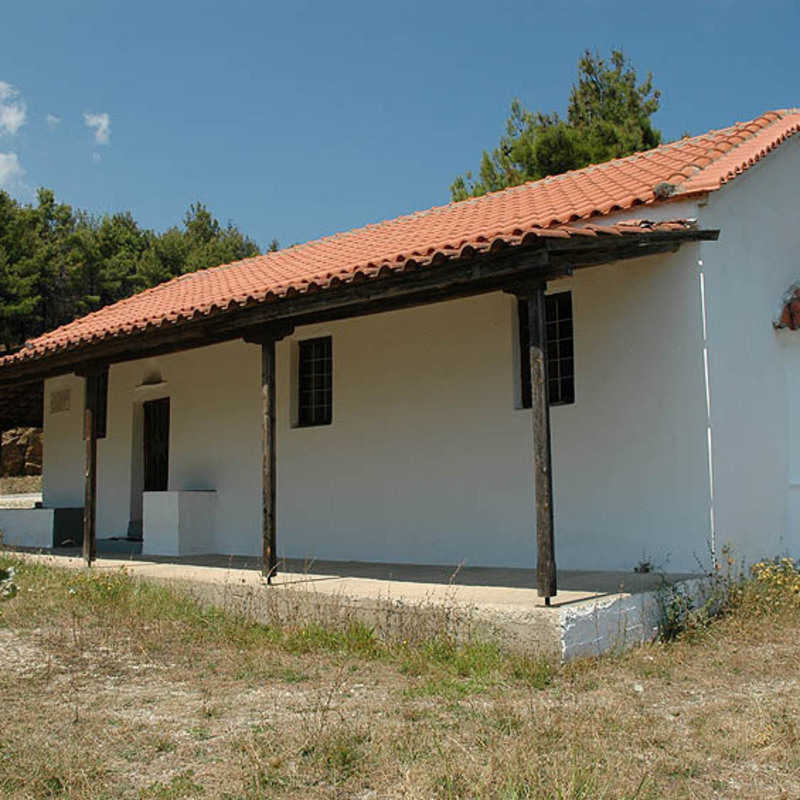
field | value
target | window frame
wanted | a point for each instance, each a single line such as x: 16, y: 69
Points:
x: 558, y: 362
x: 96, y: 395
x: 314, y: 383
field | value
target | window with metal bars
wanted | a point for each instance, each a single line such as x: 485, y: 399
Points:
x: 560, y: 350
x: 315, y: 382
x: 97, y: 396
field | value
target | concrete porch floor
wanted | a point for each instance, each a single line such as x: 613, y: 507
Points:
x: 474, y: 585
x: 500, y: 583
x: 412, y: 582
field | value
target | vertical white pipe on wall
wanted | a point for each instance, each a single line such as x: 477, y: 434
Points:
x: 709, y: 435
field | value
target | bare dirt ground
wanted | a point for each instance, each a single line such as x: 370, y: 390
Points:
x: 113, y: 688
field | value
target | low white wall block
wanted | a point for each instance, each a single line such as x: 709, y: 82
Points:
x: 27, y: 527
x: 178, y: 523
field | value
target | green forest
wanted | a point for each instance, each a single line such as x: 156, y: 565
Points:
x: 58, y: 263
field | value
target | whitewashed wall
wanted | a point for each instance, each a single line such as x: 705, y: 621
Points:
x: 790, y: 341
x: 427, y: 459
x: 754, y: 391
x: 214, y: 437
x: 62, y: 445
x: 630, y: 463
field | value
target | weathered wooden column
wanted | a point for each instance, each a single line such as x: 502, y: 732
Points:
x: 267, y: 337
x: 90, y: 467
x: 542, y: 462
x: 94, y: 427
x: 269, y: 564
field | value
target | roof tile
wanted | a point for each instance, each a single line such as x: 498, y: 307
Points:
x: 547, y: 207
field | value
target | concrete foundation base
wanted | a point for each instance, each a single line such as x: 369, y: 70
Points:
x: 600, y: 612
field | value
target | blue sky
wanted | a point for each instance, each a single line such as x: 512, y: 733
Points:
x: 299, y: 119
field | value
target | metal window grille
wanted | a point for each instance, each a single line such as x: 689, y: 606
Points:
x: 97, y: 395
x: 102, y: 404
x: 560, y: 350
x: 315, y: 390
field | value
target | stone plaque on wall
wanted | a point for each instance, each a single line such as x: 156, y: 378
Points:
x: 60, y: 401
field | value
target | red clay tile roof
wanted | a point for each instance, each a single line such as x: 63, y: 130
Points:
x: 545, y: 208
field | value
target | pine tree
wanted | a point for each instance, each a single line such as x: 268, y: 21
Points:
x: 608, y: 116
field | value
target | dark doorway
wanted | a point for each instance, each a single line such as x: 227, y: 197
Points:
x: 156, y: 445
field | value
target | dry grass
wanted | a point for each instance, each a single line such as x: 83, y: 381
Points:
x: 114, y: 688
x: 21, y: 484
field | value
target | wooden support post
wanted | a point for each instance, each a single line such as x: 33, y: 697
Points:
x: 269, y: 566
x: 542, y: 464
x: 90, y: 474
x: 94, y: 426
x: 266, y: 337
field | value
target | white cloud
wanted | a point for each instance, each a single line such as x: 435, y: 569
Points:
x: 101, y: 125
x: 12, y: 109
x: 52, y: 120
x: 11, y: 171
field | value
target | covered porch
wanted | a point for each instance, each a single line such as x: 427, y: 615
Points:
x: 521, y: 271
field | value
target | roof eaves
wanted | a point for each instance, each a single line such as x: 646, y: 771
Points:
x: 48, y: 344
